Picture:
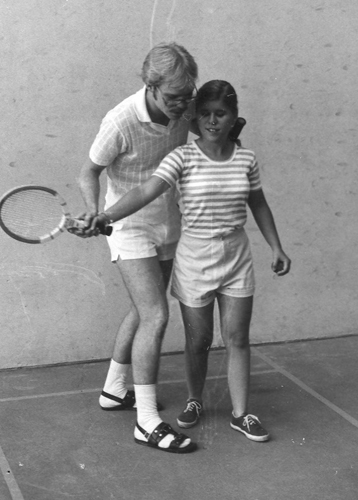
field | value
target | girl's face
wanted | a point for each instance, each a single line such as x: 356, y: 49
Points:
x: 215, y: 121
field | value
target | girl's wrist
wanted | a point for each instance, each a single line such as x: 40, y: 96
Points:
x: 106, y: 218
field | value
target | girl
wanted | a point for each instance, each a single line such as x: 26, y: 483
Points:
x: 216, y: 179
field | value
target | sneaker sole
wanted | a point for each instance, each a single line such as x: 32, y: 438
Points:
x: 258, y: 439
x: 187, y: 425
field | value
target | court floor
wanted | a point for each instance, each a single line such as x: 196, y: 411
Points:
x: 56, y: 443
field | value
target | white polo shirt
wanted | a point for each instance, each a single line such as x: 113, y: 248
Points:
x: 132, y: 147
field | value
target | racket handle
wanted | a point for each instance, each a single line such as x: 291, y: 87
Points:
x: 78, y: 224
x: 104, y: 228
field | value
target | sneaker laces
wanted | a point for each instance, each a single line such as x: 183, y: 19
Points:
x: 250, y: 420
x: 193, y: 406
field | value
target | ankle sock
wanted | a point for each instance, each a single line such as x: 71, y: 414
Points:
x: 147, y: 414
x: 115, y: 383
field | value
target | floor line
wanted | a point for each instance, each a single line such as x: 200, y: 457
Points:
x: 9, y: 478
x: 98, y: 390
x: 306, y: 388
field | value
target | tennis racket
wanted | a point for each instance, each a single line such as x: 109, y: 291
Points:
x: 37, y: 214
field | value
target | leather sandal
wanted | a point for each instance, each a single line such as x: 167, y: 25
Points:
x: 160, y: 432
x: 126, y: 403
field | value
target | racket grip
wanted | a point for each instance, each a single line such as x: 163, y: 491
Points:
x: 104, y: 228
x: 74, y: 225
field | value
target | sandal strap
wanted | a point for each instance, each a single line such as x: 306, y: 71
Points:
x: 160, y: 432
x: 128, y: 400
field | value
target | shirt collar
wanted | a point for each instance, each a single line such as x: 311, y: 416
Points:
x: 143, y: 115
x: 140, y: 106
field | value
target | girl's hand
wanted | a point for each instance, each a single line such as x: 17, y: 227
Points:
x: 281, y: 263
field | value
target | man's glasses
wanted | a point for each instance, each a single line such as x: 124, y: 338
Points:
x: 172, y: 101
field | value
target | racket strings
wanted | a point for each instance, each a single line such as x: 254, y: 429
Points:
x: 31, y: 213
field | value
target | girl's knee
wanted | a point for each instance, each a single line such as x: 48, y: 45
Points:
x: 238, y: 341
x: 198, y: 345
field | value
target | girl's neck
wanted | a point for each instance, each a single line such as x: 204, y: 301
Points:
x: 217, y: 152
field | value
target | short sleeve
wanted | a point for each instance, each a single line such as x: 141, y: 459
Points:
x: 254, y: 176
x: 108, y: 144
x: 171, y: 167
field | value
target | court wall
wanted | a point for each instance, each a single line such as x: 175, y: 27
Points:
x: 65, y: 63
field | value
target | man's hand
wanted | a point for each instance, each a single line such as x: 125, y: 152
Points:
x: 89, y: 228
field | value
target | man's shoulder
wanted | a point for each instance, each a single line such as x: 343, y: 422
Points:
x: 125, y: 110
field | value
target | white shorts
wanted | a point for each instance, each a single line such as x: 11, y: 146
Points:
x: 206, y: 267
x: 139, y: 240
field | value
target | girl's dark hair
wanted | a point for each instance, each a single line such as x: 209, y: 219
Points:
x: 216, y: 90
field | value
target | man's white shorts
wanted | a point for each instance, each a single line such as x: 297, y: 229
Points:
x: 139, y: 240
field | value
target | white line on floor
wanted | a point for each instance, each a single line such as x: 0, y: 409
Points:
x: 9, y: 478
x: 97, y: 389
x: 306, y: 388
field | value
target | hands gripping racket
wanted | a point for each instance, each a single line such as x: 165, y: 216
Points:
x: 37, y: 214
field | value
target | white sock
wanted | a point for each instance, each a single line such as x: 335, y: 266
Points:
x: 115, y: 383
x: 148, y: 416
x: 147, y: 412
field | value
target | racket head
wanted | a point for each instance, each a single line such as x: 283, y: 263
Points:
x: 33, y: 214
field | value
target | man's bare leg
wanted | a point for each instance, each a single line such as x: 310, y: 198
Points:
x: 146, y: 286
x: 115, y: 385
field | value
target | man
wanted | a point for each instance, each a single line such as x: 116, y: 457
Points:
x: 133, y: 138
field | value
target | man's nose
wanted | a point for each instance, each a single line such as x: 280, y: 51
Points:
x: 183, y: 105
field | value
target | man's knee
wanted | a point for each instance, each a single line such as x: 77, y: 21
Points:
x: 155, y: 318
x: 133, y: 315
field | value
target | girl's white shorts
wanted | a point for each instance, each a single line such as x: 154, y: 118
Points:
x: 206, y: 267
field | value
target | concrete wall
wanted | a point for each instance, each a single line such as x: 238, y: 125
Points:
x: 64, y: 63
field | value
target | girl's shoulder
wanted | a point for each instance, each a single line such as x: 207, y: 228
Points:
x: 189, y: 146
x: 241, y: 151
x: 186, y: 150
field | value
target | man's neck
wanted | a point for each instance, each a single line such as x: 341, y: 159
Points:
x: 156, y: 115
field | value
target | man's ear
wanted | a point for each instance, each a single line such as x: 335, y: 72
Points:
x: 153, y: 90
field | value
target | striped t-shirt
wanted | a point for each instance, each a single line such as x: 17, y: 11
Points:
x: 213, y: 193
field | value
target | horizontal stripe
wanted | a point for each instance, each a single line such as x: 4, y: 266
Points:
x: 213, y: 194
